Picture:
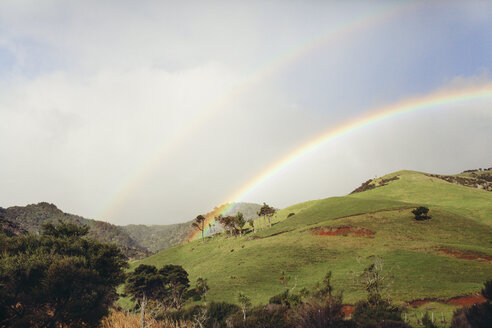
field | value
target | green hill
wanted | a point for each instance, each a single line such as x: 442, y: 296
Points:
x: 448, y: 255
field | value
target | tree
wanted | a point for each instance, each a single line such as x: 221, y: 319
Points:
x: 267, y: 211
x: 252, y: 225
x: 176, y: 278
x: 244, y: 302
x: 202, y: 289
x: 166, y: 287
x: 421, y: 213
x: 228, y: 222
x: 239, y: 223
x: 375, y: 309
x: 59, y: 278
x: 199, y: 223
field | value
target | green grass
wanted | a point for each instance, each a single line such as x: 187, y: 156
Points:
x: 461, y: 221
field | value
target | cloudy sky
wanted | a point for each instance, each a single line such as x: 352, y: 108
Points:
x: 156, y: 111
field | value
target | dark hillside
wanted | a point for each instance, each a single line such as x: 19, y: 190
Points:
x: 30, y: 219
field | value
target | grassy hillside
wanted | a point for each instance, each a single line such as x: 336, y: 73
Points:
x: 449, y: 255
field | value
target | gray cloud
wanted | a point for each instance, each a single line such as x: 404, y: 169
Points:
x: 96, y: 90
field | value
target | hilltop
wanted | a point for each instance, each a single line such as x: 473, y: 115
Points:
x: 437, y: 259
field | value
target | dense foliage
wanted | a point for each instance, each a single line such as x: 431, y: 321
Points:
x: 59, y: 278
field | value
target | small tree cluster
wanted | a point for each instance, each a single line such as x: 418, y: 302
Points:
x: 234, y: 225
x: 421, y: 213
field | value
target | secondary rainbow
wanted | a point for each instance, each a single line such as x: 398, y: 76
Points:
x: 433, y: 100
x: 341, y: 31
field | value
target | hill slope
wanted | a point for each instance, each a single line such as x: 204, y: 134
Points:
x: 449, y: 255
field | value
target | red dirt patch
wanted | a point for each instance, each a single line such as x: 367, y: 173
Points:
x: 467, y: 255
x: 344, y: 231
x: 465, y: 300
x: 347, y: 310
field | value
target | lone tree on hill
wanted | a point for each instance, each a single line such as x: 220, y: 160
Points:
x: 199, y: 223
x: 239, y: 222
x: 267, y: 211
x: 421, y: 213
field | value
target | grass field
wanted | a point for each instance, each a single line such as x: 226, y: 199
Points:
x: 449, y: 255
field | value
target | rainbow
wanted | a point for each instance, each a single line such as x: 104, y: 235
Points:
x: 433, y: 100
x: 130, y: 183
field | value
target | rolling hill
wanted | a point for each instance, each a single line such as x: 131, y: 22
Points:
x: 446, y: 256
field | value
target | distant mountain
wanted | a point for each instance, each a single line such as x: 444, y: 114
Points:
x: 30, y: 218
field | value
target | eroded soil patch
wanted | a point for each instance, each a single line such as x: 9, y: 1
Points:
x: 465, y: 300
x: 342, y: 231
x: 467, y: 255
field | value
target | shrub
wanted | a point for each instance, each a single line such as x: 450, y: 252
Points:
x: 427, y: 322
x: 319, y: 314
x: 271, y: 316
x: 487, y: 290
x: 373, y: 311
x: 286, y: 299
x: 475, y: 316
x: 421, y: 213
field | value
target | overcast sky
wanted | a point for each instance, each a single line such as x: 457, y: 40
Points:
x: 156, y: 111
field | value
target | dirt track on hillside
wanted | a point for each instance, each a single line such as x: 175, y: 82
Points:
x: 467, y: 255
x: 464, y: 300
x: 342, y: 231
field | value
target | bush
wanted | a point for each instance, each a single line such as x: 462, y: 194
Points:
x: 477, y: 315
x: 286, y: 299
x: 217, y: 314
x: 319, y: 314
x: 487, y: 290
x: 427, y: 322
x: 271, y: 316
x: 421, y: 213
x: 373, y: 311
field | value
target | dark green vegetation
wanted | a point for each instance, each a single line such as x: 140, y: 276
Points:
x: 440, y: 258
x: 31, y: 218
x: 59, y: 278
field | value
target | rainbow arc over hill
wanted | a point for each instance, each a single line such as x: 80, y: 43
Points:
x: 438, y: 99
x: 340, y: 32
